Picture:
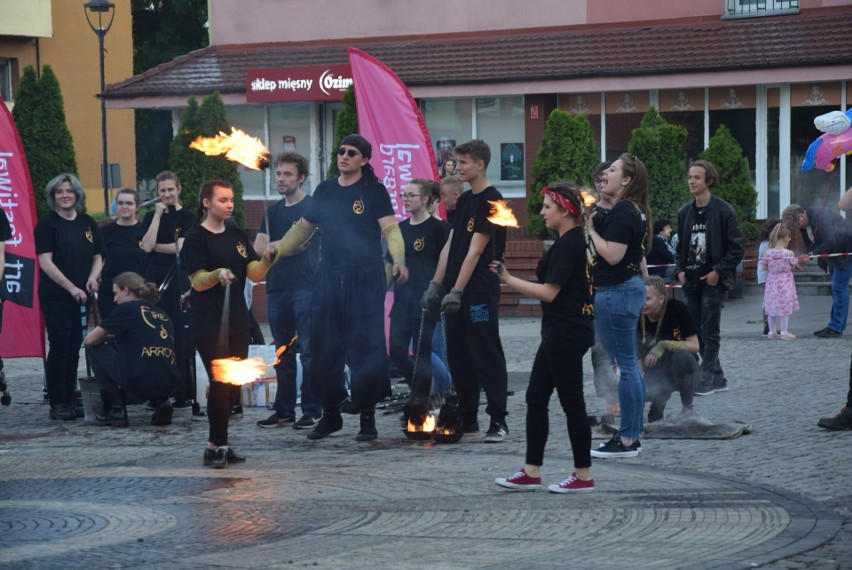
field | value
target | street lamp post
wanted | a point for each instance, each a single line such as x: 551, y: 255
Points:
x: 99, y: 11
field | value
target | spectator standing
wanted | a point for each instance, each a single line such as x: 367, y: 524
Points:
x: 779, y: 296
x: 123, y: 241
x: 289, y: 293
x: 662, y: 253
x: 762, y: 272
x: 710, y: 247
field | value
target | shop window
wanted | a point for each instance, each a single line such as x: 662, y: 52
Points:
x: 290, y: 131
x: 746, y: 8
x: 500, y: 123
x: 250, y: 118
x: 6, y: 78
x: 449, y: 122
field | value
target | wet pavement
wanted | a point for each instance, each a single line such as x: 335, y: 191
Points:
x: 74, y: 495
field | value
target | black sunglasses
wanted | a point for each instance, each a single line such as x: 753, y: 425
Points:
x: 352, y: 153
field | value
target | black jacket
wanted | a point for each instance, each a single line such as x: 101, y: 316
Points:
x: 831, y: 235
x: 724, y: 239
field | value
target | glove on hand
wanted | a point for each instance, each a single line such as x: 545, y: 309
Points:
x: 452, y: 301
x: 432, y: 296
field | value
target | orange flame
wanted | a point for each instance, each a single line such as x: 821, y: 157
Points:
x: 501, y: 214
x: 428, y: 425
x: 238, y: 372
x: 588, y: 199
x: 237, y: 147
x: 283, y: 349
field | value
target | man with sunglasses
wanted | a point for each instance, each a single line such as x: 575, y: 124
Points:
x: 347, y: 326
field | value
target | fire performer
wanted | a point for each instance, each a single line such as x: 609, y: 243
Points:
x: 217, y: 254
x: 140, y: 364
x: 348, y: 303
x: 567, y: 332
x: 165, y: 229
x: 473, y: 334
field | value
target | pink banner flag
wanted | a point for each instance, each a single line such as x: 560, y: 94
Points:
x: 388, y: 117
x: 23, y: 332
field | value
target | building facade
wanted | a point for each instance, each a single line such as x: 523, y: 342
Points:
x: 56, y: 33
x: 495, y: 69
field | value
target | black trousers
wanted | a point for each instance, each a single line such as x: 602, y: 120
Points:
x: 63, y: 320
x: 404, y: 331
x: 347, y: 326
x: 222, y: 397
x: 562, y: 371
x: 476, y: 358
x: 674, y: 371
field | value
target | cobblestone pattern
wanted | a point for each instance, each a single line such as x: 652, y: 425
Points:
x: 76, y: 495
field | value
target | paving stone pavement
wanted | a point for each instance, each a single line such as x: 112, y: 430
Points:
x: 74, y: 495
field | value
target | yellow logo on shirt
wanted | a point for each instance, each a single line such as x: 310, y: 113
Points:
x: 588, y: 309
x: 241, y: 249
x: 89, y: 236
x: 358, y: 206
x: 470, y: 224
x: 419, y: 244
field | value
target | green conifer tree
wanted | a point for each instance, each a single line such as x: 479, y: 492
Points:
x: 568, y: 151
x: 734, y: 184
x: 347, y: 124
x: 193, y: 167
x: 659, y: 145
x: 39, y: 116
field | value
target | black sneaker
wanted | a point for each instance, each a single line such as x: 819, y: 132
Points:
x: 616, y: 448
x: 276, y: 421
x: 199, y: 416
x: 230, y: 456
x: 368, y: 428
x: 306, y: 422
x: 64, y: 411
x: 115, y: 417
x: 469, y: 427
x: 497, y: 432
x: 704, y: 389
x: 219, y: 459
x: 820, y: 331
x: 237, y: 412
x: 829, y: 333
x: 163, y: 415
x: 329, y: 423
x: 720, y: 384
x: 841, y: 421
x: 182, y: 406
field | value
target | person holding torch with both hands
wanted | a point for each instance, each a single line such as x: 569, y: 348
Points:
x: 354, y: 211
x: 218, y: 255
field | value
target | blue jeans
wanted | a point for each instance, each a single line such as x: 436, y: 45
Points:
x: 617, y: 310
x: 289, y: 315
x: 441, y: 381
x: 839, y: 296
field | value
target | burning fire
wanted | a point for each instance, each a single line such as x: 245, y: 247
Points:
x: 428, y: 425
x: 237, y: 147
x: 501, y: 214
x: 238, y: 372
x: 588, y: 199
x: 283, y: 349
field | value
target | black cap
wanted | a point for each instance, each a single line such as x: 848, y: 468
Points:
x: 359, y: 142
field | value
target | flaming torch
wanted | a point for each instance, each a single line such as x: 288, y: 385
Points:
x: 588, y: 199
x: 238, y: 371
x: 502, y: 215
x: 237, y: 147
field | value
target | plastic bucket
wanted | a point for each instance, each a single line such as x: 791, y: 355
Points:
x: 90, y: 393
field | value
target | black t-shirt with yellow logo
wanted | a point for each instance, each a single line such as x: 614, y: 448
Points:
x: 472, y: 211
x: 676, y: 324
x: 146, y: 349
x: 205, y: 250
x: 348, y: 216
x: 73, y: 244
x: 423, y: 245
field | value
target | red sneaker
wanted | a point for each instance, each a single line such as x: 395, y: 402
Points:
x: 520, y: 481
x: 572, y: 484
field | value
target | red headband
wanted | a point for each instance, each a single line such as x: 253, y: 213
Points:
x: 561, y: 200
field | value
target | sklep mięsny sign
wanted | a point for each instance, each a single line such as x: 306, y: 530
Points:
x: 308, y: 83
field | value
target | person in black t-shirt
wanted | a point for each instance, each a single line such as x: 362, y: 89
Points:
x: 662, y: 253
x: 424, y: 238
x: 347, y: 324
x: 165, y: 229
x: 289, y: 290
x: 219, y: 258
x: 473, y: 333
x: 567, y: 332
x: 667, y: 344
x: 451, y: 188
x: 123, y: 241
x: 5, y: 234
x: 70, y: 254
x: 140, y: 363
x: 620, y: 242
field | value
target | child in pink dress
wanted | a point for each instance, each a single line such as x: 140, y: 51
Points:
x: 779, y: 295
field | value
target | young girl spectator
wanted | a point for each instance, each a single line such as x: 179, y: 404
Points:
x: 448, y: 168
x: 217, y: 254
x: 779, y: 295
x: 767, y: 228
x: 621, y: 241
x: 567, y: 332
x: 70, y: 253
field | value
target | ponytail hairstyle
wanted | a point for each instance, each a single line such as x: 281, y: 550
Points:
x: 636, y: 192
x: 430, y: 189
x: 206, y: 192
x: 778, y: 233
x: 571, y: 195
x: 145, y: 290
x: 658, y: 286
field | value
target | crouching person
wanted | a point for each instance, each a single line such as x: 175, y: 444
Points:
x: 132, y: 353
x: 668, y: 343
